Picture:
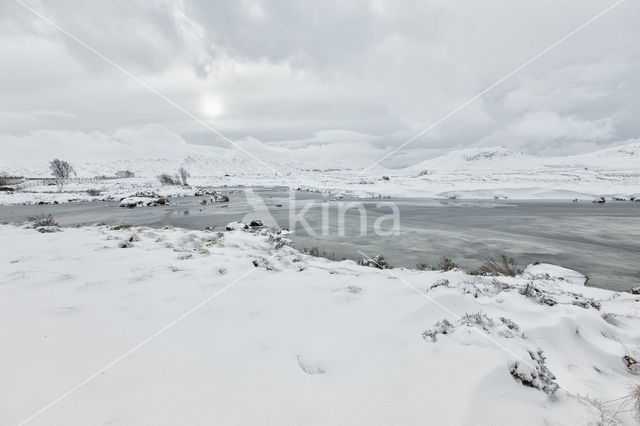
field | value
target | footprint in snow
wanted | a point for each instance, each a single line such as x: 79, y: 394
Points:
x: 309, y: 368
x: 352, y: 289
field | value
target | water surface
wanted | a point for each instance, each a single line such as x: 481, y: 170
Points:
x: 600, y: 240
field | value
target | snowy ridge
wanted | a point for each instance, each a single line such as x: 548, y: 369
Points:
x: 491, y: 158
x: 620, y: 157
x: 625, y: 157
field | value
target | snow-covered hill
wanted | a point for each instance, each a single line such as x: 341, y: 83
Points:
x: 623, y: 157
x: 493, y: 172
x: 211, y: 161
x: 620, y: 157
x: 491, y: 158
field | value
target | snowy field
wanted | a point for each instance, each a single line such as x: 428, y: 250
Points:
x: 479, y: 173
x: 149, y: 326
x: 169, y: 326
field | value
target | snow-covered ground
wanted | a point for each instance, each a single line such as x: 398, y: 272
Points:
x: 173, y: 326
x: 481, y: 173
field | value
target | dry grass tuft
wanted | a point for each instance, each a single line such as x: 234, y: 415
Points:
x: 446, y: 264
x: 635, y: 398
x: 505, y: 266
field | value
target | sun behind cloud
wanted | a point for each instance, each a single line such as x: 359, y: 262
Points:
x: 211, y: 106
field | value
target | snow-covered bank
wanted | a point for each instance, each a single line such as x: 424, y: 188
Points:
x: 544, y: 185
x: 471, y: 173
x: 297, y: 339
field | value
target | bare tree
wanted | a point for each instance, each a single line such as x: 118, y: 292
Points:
x: 184, y: 174
x: 125, y: 174
x: 62, y: 171
x: 180, y: 178
x: 167, y: 179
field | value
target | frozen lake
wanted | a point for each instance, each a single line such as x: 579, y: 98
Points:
x: 600, y: 240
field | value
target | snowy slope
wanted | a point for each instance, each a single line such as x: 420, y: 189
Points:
x: 491, y: 158
x: 296, y: 340
x: 625, y: 157
x: 620, y: 157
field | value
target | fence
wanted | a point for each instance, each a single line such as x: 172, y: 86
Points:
x: 31, y: 182
x: 11, y: 180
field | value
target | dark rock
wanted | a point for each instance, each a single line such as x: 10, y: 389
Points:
x: 232, y: 226
x: 378, y: 261
x: 119, y: 227
x: 201, y: 191
x: 631, y: 363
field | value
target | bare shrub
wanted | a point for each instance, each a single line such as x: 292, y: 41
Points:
x: 123, y: 174
x: 167, y: 179
x: 505, y: 266
x: 444, y: 264
x: 43, y: 220
x: 179, y: 179
x: 62, y: 171
x: 442, y: 327
x: 316, y: 252
x: 184, y: 175
x: 539, y: 377
x: 94, y: 192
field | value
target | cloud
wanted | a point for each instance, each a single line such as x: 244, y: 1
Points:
x: 37, y: 148
x: 368, y: 74
x: 551, y: 133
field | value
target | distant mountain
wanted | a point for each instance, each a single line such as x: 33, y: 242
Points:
x: 490, y: 158
x: 626, y: 157
x: 210, y: 161
x: 623, y: 157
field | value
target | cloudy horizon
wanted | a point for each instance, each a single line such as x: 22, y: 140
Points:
x: 330, y: 80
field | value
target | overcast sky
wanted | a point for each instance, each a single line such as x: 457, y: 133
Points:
x: 347, y: 78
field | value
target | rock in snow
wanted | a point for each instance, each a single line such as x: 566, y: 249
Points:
x: 132, y: 202
x: 545, y: 271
